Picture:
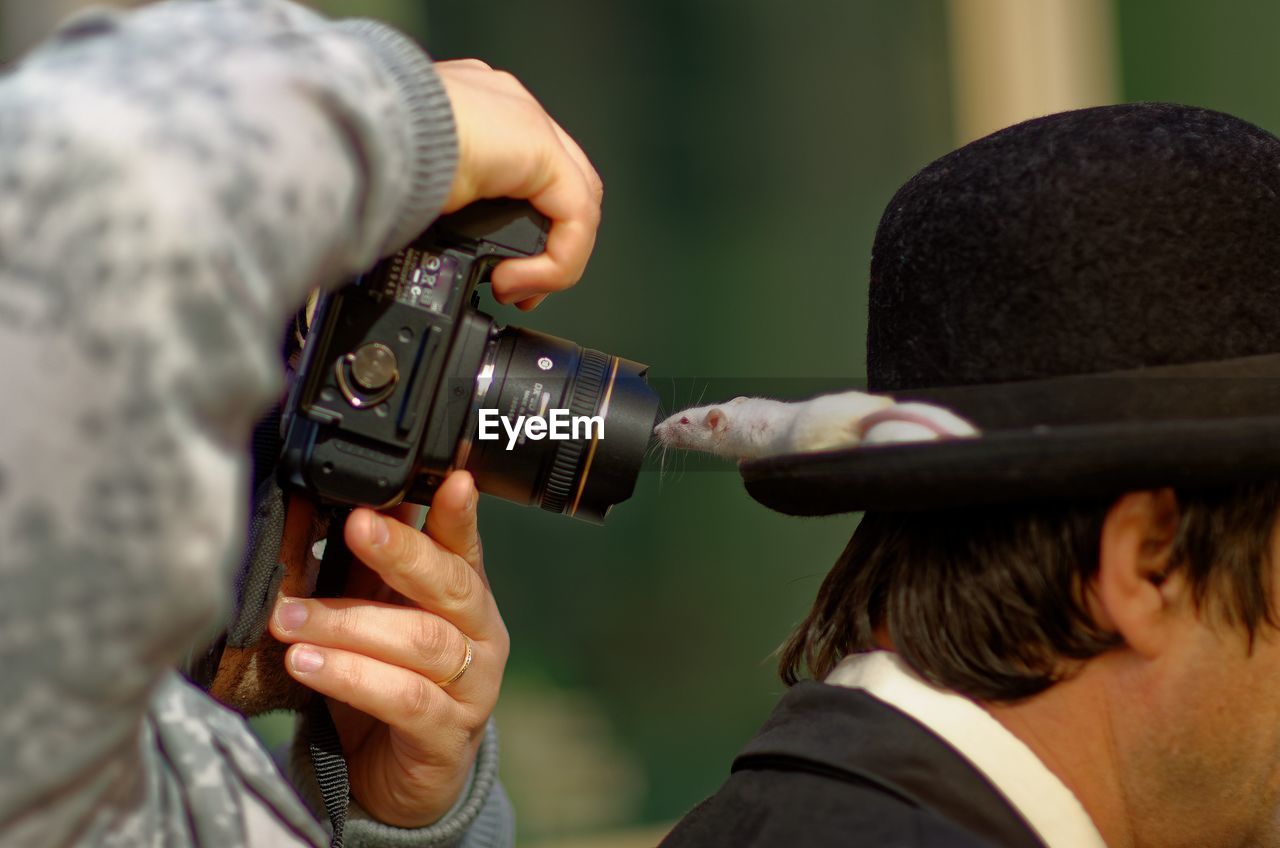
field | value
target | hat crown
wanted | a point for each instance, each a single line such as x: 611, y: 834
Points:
x: 1097, y: 240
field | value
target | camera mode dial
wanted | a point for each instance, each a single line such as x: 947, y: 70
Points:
x: 374, y: 370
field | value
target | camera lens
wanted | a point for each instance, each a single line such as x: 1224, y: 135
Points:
x: 558, y: 425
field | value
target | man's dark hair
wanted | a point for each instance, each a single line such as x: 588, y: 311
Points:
x: 992, y: 603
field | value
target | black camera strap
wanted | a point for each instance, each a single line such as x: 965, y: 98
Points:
x: 326, y: 748
x: 330, y: 766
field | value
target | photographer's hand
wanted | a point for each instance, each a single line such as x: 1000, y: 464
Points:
x: 508, y: 146
x: 381, y: 654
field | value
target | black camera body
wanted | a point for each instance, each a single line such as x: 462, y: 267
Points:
x: 399, y: 362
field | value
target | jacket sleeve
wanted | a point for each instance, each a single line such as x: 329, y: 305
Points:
x: 172, y: 183
x: 482, y: 817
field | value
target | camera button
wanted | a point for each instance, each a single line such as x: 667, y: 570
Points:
x: 373, y: 366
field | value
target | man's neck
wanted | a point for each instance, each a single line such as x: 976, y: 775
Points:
x: 1068, y: 727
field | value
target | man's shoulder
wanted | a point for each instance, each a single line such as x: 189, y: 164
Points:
x: 772, y: 809
x: 836, y: 766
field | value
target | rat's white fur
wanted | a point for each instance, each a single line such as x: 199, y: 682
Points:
x: 751, y: 428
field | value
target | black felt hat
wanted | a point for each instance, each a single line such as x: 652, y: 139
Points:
x: 1098, y: 291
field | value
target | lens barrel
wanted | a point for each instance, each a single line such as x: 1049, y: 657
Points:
x: 602, y: 403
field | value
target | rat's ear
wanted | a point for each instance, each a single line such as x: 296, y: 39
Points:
x: 717, y: 420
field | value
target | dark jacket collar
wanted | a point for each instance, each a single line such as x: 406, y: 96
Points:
x: 848, y: 731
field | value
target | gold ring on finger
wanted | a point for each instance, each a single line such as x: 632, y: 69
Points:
x: 466, y: 664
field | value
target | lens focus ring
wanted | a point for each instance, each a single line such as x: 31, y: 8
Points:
x: 584, y: 393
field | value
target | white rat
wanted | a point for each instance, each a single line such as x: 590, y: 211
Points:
x: 751, y: 428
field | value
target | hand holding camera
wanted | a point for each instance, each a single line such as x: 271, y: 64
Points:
x: 400, y: 365
x: 411, y: 657
x: 508, y: 146
x: 397, y: 368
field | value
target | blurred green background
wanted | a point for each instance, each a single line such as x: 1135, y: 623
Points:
x: 748, y: 148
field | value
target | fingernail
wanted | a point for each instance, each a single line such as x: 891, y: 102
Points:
x: 306, y: 660
x: 471, y: 501
x: 291, y: 615
x: 378, y: 531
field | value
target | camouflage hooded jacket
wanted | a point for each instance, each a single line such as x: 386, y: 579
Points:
x: 172, y: 183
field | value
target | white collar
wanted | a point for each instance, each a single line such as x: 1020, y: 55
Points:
x: 1051, y: 809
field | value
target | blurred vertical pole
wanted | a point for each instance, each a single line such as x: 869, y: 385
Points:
x: 1018, y: 59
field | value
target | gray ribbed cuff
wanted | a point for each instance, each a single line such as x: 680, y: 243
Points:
x: 468, y: 823
x: 481, y: 818
x: 432, y: 142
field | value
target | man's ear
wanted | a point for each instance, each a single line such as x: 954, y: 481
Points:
x: 1135, y: 593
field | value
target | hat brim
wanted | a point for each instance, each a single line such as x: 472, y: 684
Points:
x: 1011, y: 466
